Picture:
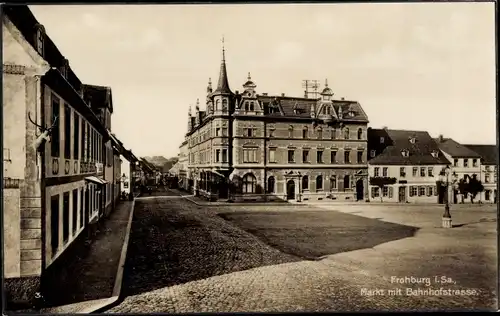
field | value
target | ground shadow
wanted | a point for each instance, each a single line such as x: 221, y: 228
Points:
x: 176, y: 242
x: 313, y: 234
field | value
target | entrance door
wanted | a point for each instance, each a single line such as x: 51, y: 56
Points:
x: 290, y: 190
x: 402, y: 194
x: 359, y: 190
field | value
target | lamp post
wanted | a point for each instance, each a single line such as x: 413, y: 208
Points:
x: 445, y: 178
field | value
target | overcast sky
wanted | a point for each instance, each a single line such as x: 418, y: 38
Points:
x: 411, y: 66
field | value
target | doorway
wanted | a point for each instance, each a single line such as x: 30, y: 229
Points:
x: 290, y: 190
x: 402, y: 194
x: 359, y: 190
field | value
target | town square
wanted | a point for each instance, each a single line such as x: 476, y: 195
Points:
x: 192, y: 158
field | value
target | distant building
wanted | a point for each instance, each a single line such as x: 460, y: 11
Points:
x: 488, y: 172
x: 465, y: 163
x: 183, y: 166
x: 250, y: 146
x: 412, y: 157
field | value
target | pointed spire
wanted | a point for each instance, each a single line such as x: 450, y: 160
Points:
x: 197, y: 104
x: 326, y: 83
x: 223, y: 84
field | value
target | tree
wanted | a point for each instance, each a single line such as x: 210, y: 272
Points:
x: 463, y: 188
x: 381, y: 182
x: 474, y: 186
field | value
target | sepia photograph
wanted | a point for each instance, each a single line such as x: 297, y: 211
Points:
x: 249, y: 157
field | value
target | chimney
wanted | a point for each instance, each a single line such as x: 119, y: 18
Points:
x: 342, y: 99
x: 441, y: 138
x: 264, y: 93
x: 237, y: 92
x: 282, y: 94
x: 305, y: 94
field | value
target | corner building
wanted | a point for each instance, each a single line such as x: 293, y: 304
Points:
x: 250, y: 146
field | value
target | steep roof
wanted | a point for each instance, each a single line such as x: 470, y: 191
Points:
x: 223, y: 84
x: 455, y: 149
x: 97, y: 96
x: 489, y: 153
x: 396, y: 141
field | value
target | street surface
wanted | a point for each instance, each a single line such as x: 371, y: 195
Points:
x: 277, y: 258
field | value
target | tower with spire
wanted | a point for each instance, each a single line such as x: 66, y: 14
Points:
x: 190, y: 116
x: 222, y: 96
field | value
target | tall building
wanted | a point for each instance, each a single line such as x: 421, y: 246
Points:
x: 251, y: 146
x: 412, y: 158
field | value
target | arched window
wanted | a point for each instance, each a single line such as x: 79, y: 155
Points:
x: 305, y: 183
x: 249, y: 183
x: 324, y: 110
x: 334, y: 132
x: 246, y: 106
x: 270, y: 184
x: 347, y: 182
x: 304, y: 132
x: 224, y: 105
x: 252, y: 106
x: 217, y: 105
x: 360, y: 133
x: 320, y: 133
x: 346, y: 133
x: 328, y: 110
x: 319, y: 182
x: 290, y: 131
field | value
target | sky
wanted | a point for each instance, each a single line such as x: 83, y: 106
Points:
x: 413, y: 66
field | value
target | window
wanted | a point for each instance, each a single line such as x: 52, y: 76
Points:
x: 375, y: 192
x: 333, y: 156
x: 76, y: 137
x: 65, y: 217
x: 466, y: 163
x: 376, y: 171
x: 373, y: 153
x: 391, y: 192
x: 270, y: 184
x: 333, y: 182
x: 290, y: 131
x: 246, y: 106
x: 305, y: 183
x: 217, y: 155
x: 333, y: 133
x: 250, y: 155
x: 272, y: 155
x: 224, y: 155
x: 249, y: 183
x: 75, y: 211
x: 421, y: 191
x: 40, y: 40
x: 405, y: 153
x: 304, y: 132
x: 224, y: 131
x: 412, y: 140
x: 360, y: 133
x: 319, y: 182
x: 291, y: 155
x: 305, y: 155
x: 54, y: 223
x: 84, y: 140
x: 382, y: 140
x: 319, y: 156
x: 414, y: 171
x: 224, y: 105
x: 252, y: 108
x: 413, y: 191
x: 385, y: 191
x: 320, y: 133
x: 346, y: 133
x: 217, y: 131
x: 402, y: 172
x: 271, y: 132
x: 455, y: 162
x: 474, y: 162
x: 347, y: 182
x: 430, y: 171
x: 422, y: 171
x: 67, y: 131
x: 430, y: 191
x: 486, y: 178
x: 360, y: 156
x: 385, y: 172
x: 55, y: 135
x: 249, y: 132
x: 347, y: 156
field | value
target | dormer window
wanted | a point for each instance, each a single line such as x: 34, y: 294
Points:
x: 413, y: 140
x: 435, y: 153
x: 224, y: 105
x: 351, y: 113
x: 405, y: 153
x: 64, y: 68
x: 382, y: 139
x: 40, y: 39
x: 252, y: 106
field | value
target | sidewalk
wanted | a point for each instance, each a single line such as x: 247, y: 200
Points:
x: 88, y: 280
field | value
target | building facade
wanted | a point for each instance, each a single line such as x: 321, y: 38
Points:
x: 412, y: 158
x: 465, y: 163
x: 489, y: 172
x: 250, y: 146
x: 54, y: 184
x: 183, y: 169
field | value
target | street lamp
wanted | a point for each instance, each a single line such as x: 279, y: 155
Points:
x: 444, y: 177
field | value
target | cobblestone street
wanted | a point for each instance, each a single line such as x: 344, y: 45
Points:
x: 185, y: 258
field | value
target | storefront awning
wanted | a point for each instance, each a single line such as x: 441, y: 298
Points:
x: 96, y: 180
